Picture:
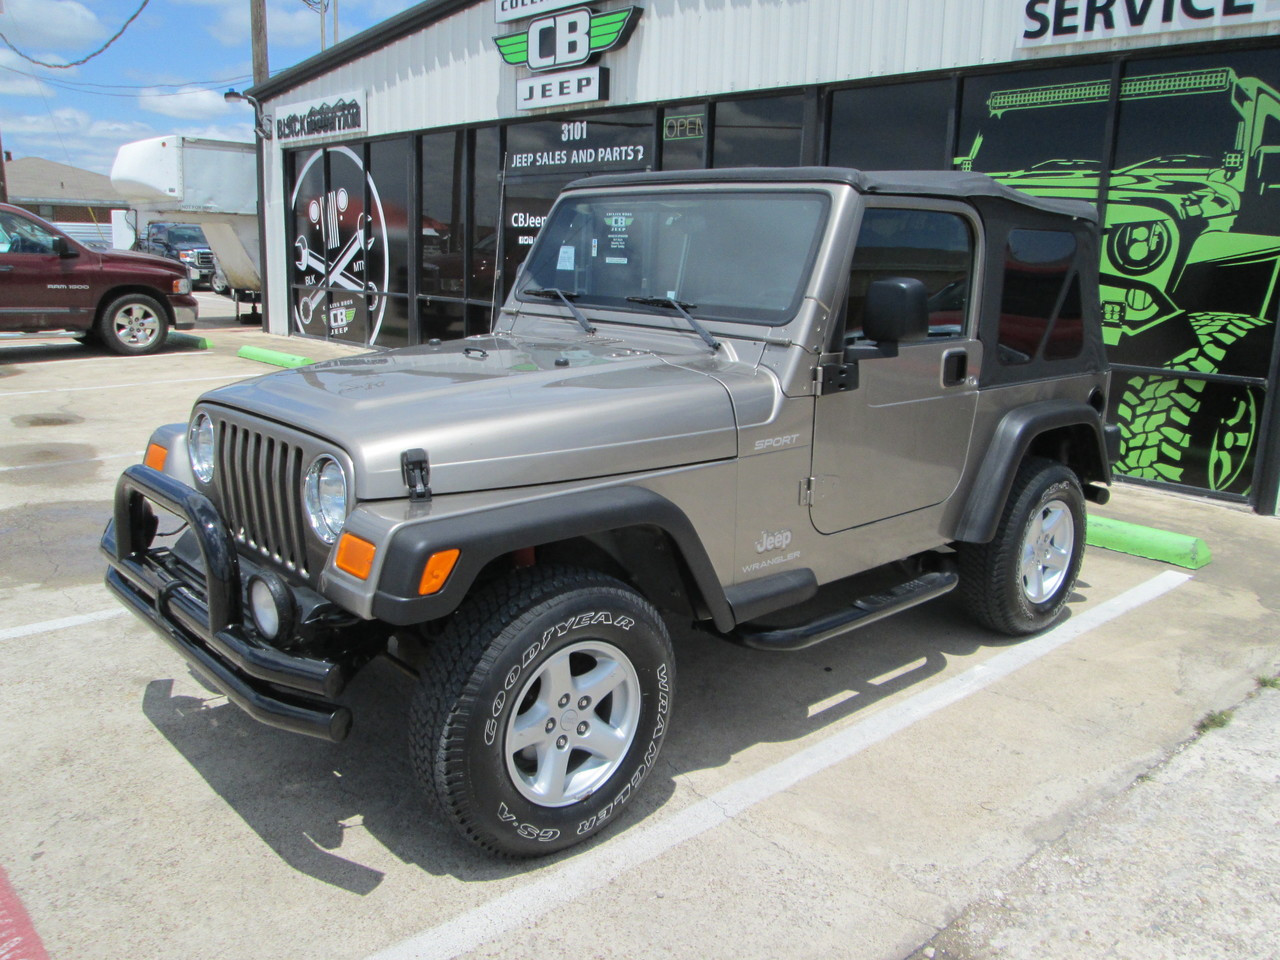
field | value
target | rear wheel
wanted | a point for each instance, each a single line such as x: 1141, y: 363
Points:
x: 133, y: 324
x: 542, y: 709
x: 1019, y: 582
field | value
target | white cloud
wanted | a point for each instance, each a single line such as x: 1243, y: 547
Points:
x: 64, y: 25
x: 185, y: 103
x: 21, y: 83
x: 72, y: 136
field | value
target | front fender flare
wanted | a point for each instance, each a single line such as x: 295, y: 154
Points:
x: 484, y: 536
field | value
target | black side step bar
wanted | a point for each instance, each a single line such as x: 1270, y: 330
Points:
x: 865, y: 610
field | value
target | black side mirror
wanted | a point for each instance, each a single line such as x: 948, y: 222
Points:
x: 64, y: 249
x: 896, y: 310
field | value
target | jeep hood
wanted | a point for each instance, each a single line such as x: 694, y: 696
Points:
x: 498, y: 412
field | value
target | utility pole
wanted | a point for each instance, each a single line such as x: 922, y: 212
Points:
x: 335, y: 21
x: 4, y: 187
x: 258, y: 31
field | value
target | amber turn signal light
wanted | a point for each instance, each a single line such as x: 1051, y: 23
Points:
x: 156, y: 456
x: 437, y: 571
x: 355, y: 556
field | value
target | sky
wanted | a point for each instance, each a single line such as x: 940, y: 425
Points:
x: 165, y: 74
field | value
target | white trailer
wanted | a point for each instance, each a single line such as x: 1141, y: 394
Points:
x: 210, y: 182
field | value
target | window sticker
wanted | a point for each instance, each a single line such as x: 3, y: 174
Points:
x: 565, y: 262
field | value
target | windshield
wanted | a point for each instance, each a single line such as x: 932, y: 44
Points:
x: 725, y: 255
x: 186, y: 235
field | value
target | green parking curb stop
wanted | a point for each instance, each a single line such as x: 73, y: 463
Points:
x: 1176, y: 548
x: 273, y: 356
x: 188, y: 340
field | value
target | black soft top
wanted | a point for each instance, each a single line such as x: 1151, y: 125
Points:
x: 952, y: 184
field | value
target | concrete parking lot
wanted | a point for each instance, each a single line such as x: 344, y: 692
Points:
x: 849, y: 800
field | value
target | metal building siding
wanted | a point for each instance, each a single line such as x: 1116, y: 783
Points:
x: 451, y: 73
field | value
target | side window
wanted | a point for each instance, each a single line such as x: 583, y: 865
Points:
x: 1040, y: 308
x: 933, y: 247
x: 19, y: 235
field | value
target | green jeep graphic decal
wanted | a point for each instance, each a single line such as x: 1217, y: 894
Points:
x: 1190, y: 255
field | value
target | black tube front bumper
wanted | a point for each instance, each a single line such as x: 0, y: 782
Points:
x: 203, y: 620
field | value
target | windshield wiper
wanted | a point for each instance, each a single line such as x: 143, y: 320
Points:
x: 682, y: 309
x: 551, y: 293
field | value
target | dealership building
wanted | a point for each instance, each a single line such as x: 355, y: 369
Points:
x: 408, y: 168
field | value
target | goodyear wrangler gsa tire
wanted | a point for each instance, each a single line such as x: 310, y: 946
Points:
x: 1019, y: 582
x: 542, y: 709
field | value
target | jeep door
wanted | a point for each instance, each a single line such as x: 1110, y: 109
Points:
x: 897, y: 442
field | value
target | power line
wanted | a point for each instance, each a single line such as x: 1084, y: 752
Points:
x: 89, y: 89
x: 89, y: 86
x: 84, y: 59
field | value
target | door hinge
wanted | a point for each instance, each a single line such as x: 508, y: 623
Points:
x: 806, y: 492
x: 835, y: 378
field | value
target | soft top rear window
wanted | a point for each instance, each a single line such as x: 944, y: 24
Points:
x: 736, y: 255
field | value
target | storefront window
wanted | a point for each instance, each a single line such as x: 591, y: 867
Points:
x: 1189, y: 267
x: 598, y: 143
x: 443, y: 265
x: 898, y: 127
x: 389, y: 172
x: 442, y: 320
x: 763, y: 132
x: 486, y: 166
x: 527, y: 204
x: 1042, y: 131
x: 684, y: 137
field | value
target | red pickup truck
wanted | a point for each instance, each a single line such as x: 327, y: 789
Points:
x: 50, y: 284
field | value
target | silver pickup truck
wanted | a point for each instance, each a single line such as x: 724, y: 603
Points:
x: 708, y: 396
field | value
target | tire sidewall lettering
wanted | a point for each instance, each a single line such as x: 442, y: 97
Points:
x: 614, y: 625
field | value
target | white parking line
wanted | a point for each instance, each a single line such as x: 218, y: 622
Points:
x: 119, y: 386
x: 598, y: 867
x: 48, y: 626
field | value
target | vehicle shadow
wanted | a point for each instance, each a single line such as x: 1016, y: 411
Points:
x: 301, y: 795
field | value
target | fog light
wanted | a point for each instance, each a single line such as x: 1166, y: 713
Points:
x: 271, y: 606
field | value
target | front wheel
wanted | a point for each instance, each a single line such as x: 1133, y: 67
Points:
x: 542, y: 709
x: 133, y: 324
x: 1019, y: 582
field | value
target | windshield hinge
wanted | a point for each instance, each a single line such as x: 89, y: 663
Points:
x: 806, y: 492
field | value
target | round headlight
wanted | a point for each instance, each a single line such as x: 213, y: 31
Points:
x: 200, y: 447
x: 1139, y: 247
x: 324, y: 496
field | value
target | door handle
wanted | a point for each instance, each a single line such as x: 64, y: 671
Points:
x: 955, y: 367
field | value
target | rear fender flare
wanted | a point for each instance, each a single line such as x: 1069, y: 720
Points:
x: 1013, y: 439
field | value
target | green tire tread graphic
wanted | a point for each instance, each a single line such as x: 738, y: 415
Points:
x: 1166, y: 422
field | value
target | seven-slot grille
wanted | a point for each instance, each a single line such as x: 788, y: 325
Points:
x: 260, y: 479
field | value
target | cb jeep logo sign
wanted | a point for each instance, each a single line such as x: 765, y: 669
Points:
x: 566, y: 39
x: 560, y: 40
